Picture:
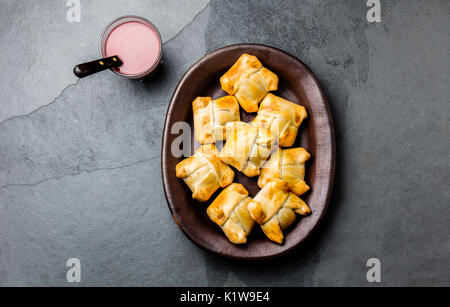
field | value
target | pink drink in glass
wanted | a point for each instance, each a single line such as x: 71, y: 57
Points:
x: 137, y: 42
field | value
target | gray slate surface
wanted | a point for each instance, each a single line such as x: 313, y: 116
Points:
x: 80, y: 174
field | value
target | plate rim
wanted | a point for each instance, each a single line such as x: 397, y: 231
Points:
x: 330, y: 176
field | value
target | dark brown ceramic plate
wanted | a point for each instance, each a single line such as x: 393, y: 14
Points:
x: 298, y: 84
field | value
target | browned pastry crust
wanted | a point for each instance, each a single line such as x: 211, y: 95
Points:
x: 249, y: 81
x: 288, y: 165
x: 204, y: 173
x: 211, y: 117
x: 282, y: 117
x: 274, y: 208
x: 229, y: 211
x: 247, y: 148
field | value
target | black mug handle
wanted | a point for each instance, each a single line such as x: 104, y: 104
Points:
x: 87, y: 69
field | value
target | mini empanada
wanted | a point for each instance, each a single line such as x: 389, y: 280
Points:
x: 288, y: 165
x: 282, y: 117
x: 274, y: 208
x: 204, y: 173
x: 211, y: 116
x: 229, y: 211
x: 249, y: 81
x: 247, y: 147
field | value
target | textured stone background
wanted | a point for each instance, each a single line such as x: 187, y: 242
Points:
x: 80, y: 159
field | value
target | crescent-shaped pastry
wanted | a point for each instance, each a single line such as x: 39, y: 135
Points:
x: 274, y: 208
x: 211, y: 116
x: 282, y: 117
x: 249, y: 81
x: 247, y: 147
x: 204, y: 173
x: 288, y: 165
x: 229, y: 211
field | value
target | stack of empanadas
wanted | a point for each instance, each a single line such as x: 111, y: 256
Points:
x: 251, y: 148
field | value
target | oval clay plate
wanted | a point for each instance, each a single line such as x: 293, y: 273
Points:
x: 297, y: 84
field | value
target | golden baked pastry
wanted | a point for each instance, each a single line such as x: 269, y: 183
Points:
x: 247, y: 147
x: 211, y: 116
x: 274, y: 208
x: 204, y: 173
x: 288, y: 165
x: 249, y: 81
x: 229, y: 211
x: 282, y: 117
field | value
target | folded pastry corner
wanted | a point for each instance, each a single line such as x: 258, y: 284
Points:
x: 249, y: 81
x: 204, y: 173
x: 247, y: 147
x: 274, y: 208
x: 229, y: 211
x: 211, y: 117
x: 282, y: 117
x: 288, y: 165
